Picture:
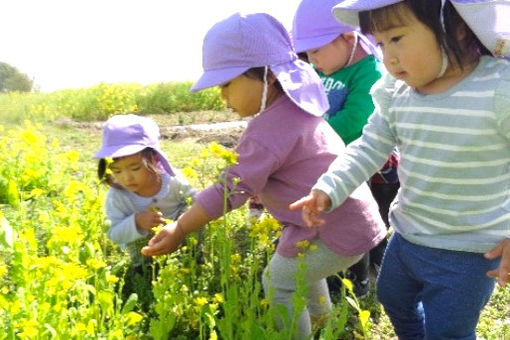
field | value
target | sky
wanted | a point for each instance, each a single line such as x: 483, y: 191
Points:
x: 78, y: 43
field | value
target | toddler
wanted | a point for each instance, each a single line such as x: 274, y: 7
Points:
x: 348, y: 64
x: 144, y: 189
x: 283, y: 150
x: 446, y: 105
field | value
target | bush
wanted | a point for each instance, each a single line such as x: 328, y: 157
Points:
x: 103, y: 100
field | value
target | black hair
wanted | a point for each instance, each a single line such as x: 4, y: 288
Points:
x: 106, y: 177
x: 456, y: 37
x: 258, y: 73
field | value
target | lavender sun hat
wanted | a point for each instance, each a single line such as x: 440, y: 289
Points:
x: 243, y: 41
x: 125, y: 135
x: 488, y: 19
x: 315, y: 26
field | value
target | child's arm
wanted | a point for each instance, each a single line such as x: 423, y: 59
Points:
x: 502, y: 273
x: 127, y: 226
x: 172, y: 235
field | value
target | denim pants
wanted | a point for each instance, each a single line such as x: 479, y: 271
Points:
x: 431, y: 293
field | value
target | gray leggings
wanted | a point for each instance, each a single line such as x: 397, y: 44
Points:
x: 279, y: 278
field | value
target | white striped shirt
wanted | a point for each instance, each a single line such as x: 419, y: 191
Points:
x: 454, y: 168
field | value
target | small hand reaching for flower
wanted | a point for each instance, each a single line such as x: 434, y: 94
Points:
x: 312, y: 206
x: 146, y: 220
x: 166, y: 241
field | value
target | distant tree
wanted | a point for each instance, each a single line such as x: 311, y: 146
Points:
x: 13, y: 80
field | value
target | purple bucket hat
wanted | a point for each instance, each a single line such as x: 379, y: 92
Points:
x: 314, y: 26
x: 125, y: 135
x: 488, y: 19
x: 243, y: 41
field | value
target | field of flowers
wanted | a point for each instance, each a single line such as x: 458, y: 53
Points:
x: 61, y: 278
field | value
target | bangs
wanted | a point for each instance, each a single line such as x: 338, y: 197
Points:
x: 385, y: 18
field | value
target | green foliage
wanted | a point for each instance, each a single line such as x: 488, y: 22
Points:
x: 103, y: 100
x: 13, y: 80
x: 61, y: 278
x: 176, y: 97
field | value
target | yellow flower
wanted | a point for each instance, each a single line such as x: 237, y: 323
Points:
x: 348, y: 284
x: 96, y: 264
x: 189, y: 173
x: 218, y: 298
x: 303, y: 245
x: 157, y: 229
x: 111, y: 278
x: 200, y: 301
x: 3, y: 269
x: 30, y: 329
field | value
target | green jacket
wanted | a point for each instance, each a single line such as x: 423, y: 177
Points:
x: 349, y: 98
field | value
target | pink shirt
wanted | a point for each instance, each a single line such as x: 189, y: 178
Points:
x: 282, y: 153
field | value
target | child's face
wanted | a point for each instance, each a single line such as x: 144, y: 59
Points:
x: 411, y: 53
x: 132, y: 173
x: 329, y: 58
x: 243, y: 95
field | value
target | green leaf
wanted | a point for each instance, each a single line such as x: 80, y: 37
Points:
x: 130, y: 303
x: 12, y: 194
x: 6, y: 233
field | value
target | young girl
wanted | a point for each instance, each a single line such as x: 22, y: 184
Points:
x: 348, y: 64
x: 144, y: 189
x: 284, y: 149
x: 447, y: 108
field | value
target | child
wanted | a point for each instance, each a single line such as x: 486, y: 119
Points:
x: 348, y: 65
x: 144, y: 189
x: 448, y: 111
x: 283, y: 150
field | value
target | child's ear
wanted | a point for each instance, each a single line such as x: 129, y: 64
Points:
x: 350, y: 37
x: 154, y: 158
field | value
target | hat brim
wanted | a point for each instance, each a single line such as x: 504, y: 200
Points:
x: 211, y: 78
x: 347, y: 11
x: 489, y: 20
x: 123, y: 151
x: 117, y: 151
x: 307, y: 44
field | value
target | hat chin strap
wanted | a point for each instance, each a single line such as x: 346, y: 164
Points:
x: 444, y: 63
x: 263, y: 99
x: 355, y: 45
x: 444, y: 56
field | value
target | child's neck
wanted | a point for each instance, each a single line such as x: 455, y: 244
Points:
x: 452, y: 76
x: 153, y: 188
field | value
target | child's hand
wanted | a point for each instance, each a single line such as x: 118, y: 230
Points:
x: 166, y: 241
x: 146, y: 220
x: 313, y: 205
x: 502, y: 273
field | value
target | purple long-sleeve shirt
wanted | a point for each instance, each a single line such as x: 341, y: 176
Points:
x: 282, y: 153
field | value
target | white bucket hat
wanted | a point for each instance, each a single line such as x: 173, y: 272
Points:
x: 488, y: 19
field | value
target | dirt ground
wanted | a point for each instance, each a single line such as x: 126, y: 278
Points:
x: 202, y: 127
